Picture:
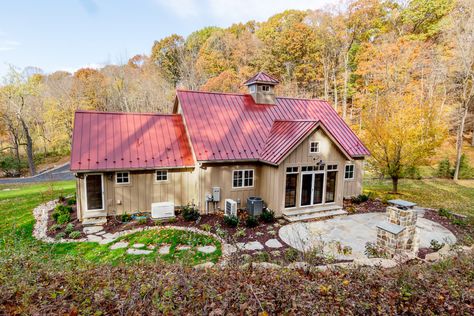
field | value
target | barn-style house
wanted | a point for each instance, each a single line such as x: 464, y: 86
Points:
x: 297, y: 155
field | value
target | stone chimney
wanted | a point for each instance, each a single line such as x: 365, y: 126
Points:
x: 262, y: 88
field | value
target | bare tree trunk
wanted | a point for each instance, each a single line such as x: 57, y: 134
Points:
x: 335, y: 90
x: 29, y: 147
x: 472, y: 140
x: 459, y: 142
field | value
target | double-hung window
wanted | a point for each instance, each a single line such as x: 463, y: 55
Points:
x: 243, y: 178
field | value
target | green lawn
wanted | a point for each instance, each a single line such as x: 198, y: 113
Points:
x: 16, y: 226
x: 435, y: 193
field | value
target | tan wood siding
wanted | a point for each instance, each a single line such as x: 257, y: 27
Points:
x: 354, y: 187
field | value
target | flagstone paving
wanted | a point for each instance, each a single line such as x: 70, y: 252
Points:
x: 138, y: 251
x: 207, y: 249
x: 119, y: 245
x: 354, y: 231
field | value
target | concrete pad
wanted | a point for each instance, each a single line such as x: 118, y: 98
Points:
x: 253, y: 245
x: 207, y: 249
x: 164, y: 250
x: 273, y: 243
x: 138, y: 245
x: 353, y: 231
x: 92, y: 229
x: 138, y: 252
x: 119, y: 245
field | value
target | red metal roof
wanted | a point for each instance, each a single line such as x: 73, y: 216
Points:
x: 126, y: 141
x: 261, y: 77
x: 284, y: 136
x: 233, y: 127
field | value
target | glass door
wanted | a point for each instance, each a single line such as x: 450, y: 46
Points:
x: 306, y: 188
x: 331, y: 186
x: 318, y: 188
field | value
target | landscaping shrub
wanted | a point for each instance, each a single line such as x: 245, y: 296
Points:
x: 267, y: 216
x: 55, y: 227
x: 263, y: 256
x: 240, y: 233
x: 125, y: 218
x: 69, y: 228
x: 444, y: 169
x: 10, y: 166
x: 60, y: 235
x: 190, y: 213
x: 61, y: 210
x: 75, y: 234
x: 465, y: 170
x: 142, y: 220
x: 231, y: 221
x: 71, y: 201
x: 361, y: 198
x: 61, y: 198
x: 64, y: 218
x: 251, y: 221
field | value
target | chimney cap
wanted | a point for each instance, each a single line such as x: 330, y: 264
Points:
x: 262, y: 77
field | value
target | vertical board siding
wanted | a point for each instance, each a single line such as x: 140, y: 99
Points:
x: 354, y: 187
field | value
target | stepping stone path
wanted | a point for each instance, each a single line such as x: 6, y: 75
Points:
x: 273, y: 243
x: 151, y: 247
x: 138, y: 251
x: 138, y: 246
x: 94, y: 238
x: 119, y: 245
x: 164, y: 250
x: 92, y: 229
x: 100, y: 233
x: 207, y: 249
x: 253, y: 245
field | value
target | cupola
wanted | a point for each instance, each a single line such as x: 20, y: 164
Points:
x: 262, y: 88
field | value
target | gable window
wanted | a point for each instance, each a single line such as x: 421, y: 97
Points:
x: 122, y: 177
x: 266, y: 88
x: 314, y: 147
x: 349, y: 172
x: 161, y: 175
x: 242, y: 178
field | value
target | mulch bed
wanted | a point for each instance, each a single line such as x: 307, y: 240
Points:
x: 77, y: 224
x: 458, y: 231
x: 369, y: 206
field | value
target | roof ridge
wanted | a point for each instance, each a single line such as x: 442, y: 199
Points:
x: 126, y: 113
x: 297, y: 120
x: 212, y: 92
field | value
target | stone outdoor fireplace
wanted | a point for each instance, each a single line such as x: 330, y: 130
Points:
x: 397, y: 235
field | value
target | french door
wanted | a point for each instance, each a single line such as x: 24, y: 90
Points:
x: 312, y: 188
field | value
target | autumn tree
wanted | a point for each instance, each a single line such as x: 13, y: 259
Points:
x: 166, y: 55
x: 461, y: 37
x: 402, y: 123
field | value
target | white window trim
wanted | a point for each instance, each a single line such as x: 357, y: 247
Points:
x: 162, y: 181
x: 319, y: 147
x: 353, y: 171
x: 102, y: 187
x: 123, y: 183
x: 243, y: 173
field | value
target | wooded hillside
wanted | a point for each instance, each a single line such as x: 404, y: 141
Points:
x: 400, y: 73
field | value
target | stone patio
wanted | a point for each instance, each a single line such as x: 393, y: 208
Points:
x: 354, y: 231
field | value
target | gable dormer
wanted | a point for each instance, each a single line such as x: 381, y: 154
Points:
x: 262, y: 88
